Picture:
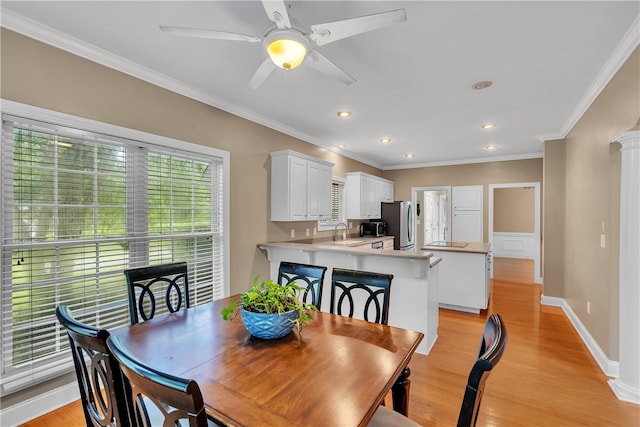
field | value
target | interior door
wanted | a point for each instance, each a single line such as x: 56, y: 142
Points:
x: 429, y: 220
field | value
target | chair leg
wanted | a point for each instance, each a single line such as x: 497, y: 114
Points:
x: 400, y: 392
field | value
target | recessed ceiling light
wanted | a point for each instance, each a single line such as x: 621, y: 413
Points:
x: 488, y: 125
x: 341, y: 145
x: 491, y: 147
x: 385, y: 140
x: 482, y: 85
x: 409, y: 155
x: 344, y: 114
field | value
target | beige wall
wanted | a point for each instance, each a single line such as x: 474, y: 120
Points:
x: 471, y: 174
x: 514, y: 210
x: 592, y: 198
x: 553, y: 218
x: 37, y: 74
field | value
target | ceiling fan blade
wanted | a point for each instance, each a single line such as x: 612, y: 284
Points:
x: 321, y: 63
x: 332, y: 31
x: 277, y: 12
x: 208, y: 34
x: 262, y: 73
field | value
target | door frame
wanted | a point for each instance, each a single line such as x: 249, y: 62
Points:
x: 414, y: 199
x: 537, y: 276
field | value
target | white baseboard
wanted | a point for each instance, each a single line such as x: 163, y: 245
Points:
x: 610, y: 368
x: 624, y: 392
x: 39, y: 405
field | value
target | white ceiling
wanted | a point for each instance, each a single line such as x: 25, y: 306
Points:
x: 547, y: 61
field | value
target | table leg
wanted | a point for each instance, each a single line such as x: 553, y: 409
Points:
x: 400, y: 392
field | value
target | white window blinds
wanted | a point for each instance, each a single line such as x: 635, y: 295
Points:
x: 77, y: 209
x: 337, y: 206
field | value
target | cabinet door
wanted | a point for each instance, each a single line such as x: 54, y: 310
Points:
x: 318, y: 191
x: 467, y: 198
x: 467, y: 226
x: 298, y: 189
x: 385, y: 191
x: 369, y: 199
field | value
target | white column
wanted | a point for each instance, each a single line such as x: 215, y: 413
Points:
x: 627, y: 386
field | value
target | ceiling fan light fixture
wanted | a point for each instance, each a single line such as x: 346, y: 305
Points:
x: 286, y: 49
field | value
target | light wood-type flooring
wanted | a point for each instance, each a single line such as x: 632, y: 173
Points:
x: 547, y: 376
x: 513, y: 269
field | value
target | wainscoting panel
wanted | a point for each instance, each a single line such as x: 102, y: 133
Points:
x: 514, y: 245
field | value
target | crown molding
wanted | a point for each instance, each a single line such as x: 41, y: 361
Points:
x: 455, y: 162
x: 625, y: 48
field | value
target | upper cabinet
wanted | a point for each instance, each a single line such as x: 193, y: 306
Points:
x: 364, y: 193
x: 467, y: 198
x: 300, y: 187
x: 467, y: 213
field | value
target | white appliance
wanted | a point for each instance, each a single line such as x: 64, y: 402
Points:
x: 400, y: 218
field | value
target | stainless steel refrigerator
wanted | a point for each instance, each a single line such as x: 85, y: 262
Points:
x: 400, y: 217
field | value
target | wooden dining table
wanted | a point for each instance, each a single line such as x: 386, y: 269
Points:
x: 336, y: 374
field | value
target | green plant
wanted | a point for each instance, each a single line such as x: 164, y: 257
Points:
x: 270, y: 297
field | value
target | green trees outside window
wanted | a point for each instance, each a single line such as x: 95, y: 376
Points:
x: 77, y: 211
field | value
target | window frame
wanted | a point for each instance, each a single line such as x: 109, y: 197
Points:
x: 13, y: 382
x: 342, y: 211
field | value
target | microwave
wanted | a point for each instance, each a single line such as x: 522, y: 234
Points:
x: 373, y: 229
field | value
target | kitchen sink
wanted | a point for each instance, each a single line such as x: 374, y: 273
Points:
x: 448, y: 244
x: 349, y: 242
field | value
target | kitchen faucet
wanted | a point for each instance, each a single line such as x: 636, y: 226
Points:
x: 344, y: 233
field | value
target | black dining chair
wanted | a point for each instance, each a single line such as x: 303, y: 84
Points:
x: 492, y: 347
x: 102, y: 389
x: 353, y: 289
x: 168, y: 283
x: 306, y: 276
x: 159, y: 399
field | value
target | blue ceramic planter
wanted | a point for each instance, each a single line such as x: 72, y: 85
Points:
x: 268, y: 326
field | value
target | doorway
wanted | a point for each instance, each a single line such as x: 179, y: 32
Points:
x: 433, y: 219
x: 517, y: 244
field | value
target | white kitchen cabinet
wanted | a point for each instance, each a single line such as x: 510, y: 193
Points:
x: 467, y: 198
x: 467, y: 218
x: 464, y: 283
x: 300, y: 187
x: 467, y: 226
x: 364, y: 193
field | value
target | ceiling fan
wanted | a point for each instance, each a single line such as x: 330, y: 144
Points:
x: 288, y: 46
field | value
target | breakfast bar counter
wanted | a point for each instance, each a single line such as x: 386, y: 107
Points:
x: 414, y: 289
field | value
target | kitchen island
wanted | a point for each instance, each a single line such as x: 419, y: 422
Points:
x: 414, y: 290
x: 464, y: 275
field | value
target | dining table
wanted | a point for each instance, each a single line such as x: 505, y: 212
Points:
x: 335, y: 373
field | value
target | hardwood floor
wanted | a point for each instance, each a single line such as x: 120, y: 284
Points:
x: 547, y: 376
x: 513, y: 269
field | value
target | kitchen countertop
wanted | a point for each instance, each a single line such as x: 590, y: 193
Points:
x: 349, y: 248
x: 471, y: 247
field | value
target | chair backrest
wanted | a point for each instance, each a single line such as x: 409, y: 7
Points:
x: 158, y: 396
x: 492, y: 346
x: 351, y: 289
x: 306, y: 276
x: 165, y: 282
x: 102, y: 390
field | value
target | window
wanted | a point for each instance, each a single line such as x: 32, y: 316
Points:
x: 338, y: 214
x: 78, y: 207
